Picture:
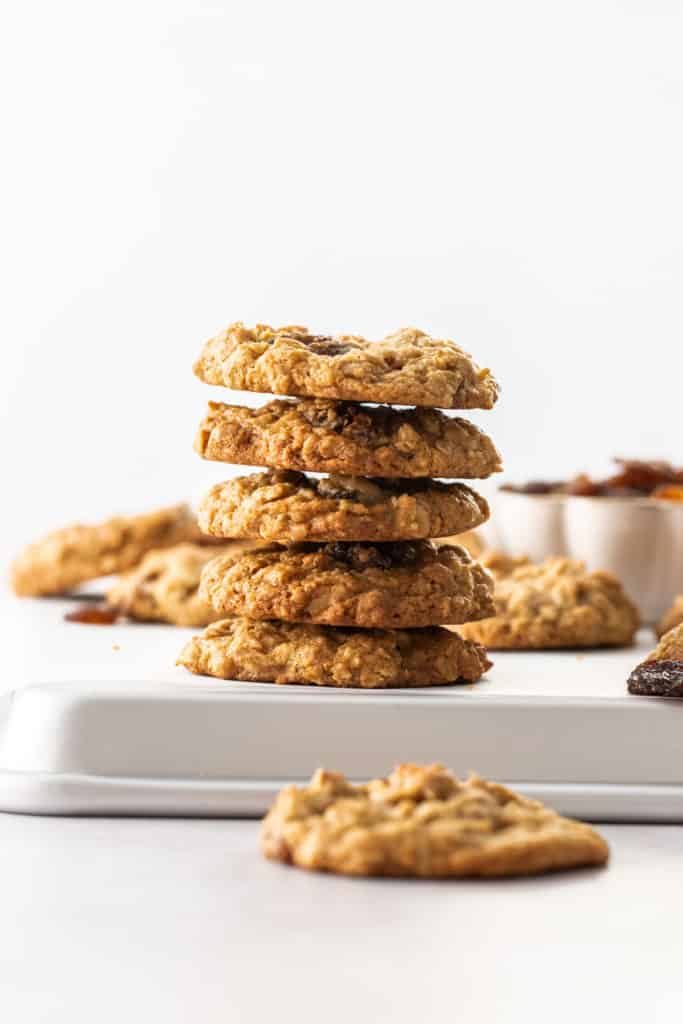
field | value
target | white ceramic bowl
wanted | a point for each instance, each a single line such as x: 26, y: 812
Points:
x: 638, y: 539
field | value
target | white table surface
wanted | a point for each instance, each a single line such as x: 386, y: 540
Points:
x: 171, y: 920
x: 182, y: 921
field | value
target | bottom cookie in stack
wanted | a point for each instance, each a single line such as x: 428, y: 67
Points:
x: 293, y: 652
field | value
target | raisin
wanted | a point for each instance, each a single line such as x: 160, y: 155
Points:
x: 378, y: 556
x: 324, y: 346
x: 329, y: 490
x: 657, y: 679
x: 93, y: 615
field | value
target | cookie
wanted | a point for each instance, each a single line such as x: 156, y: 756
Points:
x: 78, y: 553
x: 674, y: 617
x: 555, y: 604
x: 288, y: 506
x: 344, y: 437
x: 382, y: 586
x: 405, y: 368
x: 422, y: 822
x: 661, y: 674
x: 164, y: 587
x: 285, y: 652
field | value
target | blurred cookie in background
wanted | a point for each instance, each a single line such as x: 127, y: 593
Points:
x: 555, y: 604
x: 164, y: 586
x: 76, y: 554
x: 673, y: 617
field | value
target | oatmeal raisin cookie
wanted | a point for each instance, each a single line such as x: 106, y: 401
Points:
x: 405, y: 368
x: 421, y: 821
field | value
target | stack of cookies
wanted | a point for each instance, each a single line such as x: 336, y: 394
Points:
x: 347, y: 588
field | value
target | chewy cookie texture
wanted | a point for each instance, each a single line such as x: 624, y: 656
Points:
x: 327, y: 436
x: 405, y: 368
x: 422, y: 822
x: 555, y: 604
x: 289, y: 506
x: 387, y: 586
x: 285, y: 652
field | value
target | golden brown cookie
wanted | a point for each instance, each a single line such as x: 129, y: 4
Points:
x: 382, y: 586
x: 555, y: 604
x: 78, y: 553
x: 423, y: 822
x: 286, y: 652
x: 405, y: 368
x: 661, y: 674
x: 164, y: 586
x: 324, y: 436
x: 674, y: 617
x: 283, y: 505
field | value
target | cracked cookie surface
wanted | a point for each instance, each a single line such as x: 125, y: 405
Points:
x: 405, y: 368
x: 324, y: 436
x: 78, y: 553
x: 555, y: 604
x: 421, y: 821
x: 164, y: 586
x: 384, y: 586
x: 287, y: 652
x: 283, y: 505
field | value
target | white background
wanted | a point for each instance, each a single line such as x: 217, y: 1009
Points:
x: 507, y: 174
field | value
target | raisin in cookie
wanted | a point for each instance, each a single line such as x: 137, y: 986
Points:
x: 344, y: 437
x: 78, y: 553
x: 555, y: 604
x: 421, y: 821
x: 288, y: 506
x: 674, y: 617
x: 661, y: 674
x: 164, y: 587
x: 286, y: 652
x: 383, y: 586
x: 405, y: 368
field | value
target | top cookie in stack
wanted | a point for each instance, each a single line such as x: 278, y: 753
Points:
x: 350, y: 549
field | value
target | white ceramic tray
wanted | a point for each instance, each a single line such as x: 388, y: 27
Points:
x: 559, y: 726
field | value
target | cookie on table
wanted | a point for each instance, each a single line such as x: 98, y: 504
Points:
x: 405, y: 368
x: 661, y: 674
x: 287, y: 652
x: 75, y: 554
x: 382, y: 586
x: 674, y: 617
x: 284, y: 505
x: 325, y: 436
x: 164, y: 586
x: 555, y: 604
x: 422, y: 822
